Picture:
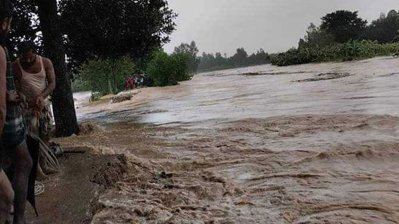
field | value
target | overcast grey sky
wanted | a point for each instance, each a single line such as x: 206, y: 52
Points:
x: 274, y: 25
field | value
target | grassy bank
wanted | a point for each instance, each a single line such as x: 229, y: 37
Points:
x: 352, y: 50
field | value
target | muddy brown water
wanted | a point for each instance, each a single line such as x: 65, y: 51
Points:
x: 368, y: 87
x: 312, y: 143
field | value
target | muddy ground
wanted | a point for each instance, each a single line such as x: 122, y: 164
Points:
x: 71, y: 195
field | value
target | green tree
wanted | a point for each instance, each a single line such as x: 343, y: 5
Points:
x: 191, y: 50
x: 316, y: 38
x: 207, y: 61
x: 343, y: 25
x: 211, y: 62
x: 111, y: 29
x: 167, y: 69
x: 385, y: 29
x: 106, y: 75
x: 25, y: 25
x: 258, y: 58
x: 239, y: 58
x: 221, y: 61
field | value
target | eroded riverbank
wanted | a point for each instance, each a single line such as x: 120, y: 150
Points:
x: 275, y: 170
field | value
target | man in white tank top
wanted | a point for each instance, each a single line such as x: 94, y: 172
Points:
x: 36, y: 81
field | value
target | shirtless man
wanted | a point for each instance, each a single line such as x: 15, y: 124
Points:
x: 6, y: 192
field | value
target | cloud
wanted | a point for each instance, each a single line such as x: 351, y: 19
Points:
x: 274, y: 25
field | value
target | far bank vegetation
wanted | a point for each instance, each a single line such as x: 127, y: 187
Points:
x: 344, y: 36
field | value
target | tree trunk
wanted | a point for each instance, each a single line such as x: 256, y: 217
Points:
x: 63, y: 104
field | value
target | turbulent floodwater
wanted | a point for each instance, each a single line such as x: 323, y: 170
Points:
x: 312, y: 143
x: 370, y: 88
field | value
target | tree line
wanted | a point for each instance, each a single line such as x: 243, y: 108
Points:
x: 343, y: 35
x: 217, y: 61
x: 241, y: 58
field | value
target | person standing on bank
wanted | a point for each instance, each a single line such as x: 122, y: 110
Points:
x: 13, y: 136
x: 6, y: 191
x: 36, y: 81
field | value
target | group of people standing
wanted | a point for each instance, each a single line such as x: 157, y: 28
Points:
x: 25, y: 86
x: 134, y: 81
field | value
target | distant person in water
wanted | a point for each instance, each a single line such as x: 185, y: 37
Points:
x: 6, y: 191
x: 36, y: 81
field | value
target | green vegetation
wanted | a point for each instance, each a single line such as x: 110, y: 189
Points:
x: 343, y: 25
x: 166, y: 69
x: 384, y: 29
x: 344, y: 36
x: 80, y: 85
x: 106, y: 75
x: 113, y: 29
x: 191, y: 51
x: 348, y: 51
x: 98, y: 28
x: 211, y: 62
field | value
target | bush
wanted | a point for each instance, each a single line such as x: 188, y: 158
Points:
x: 106, y: 75
x: 166, y: 69
x: 347, y: 51
x: 79, y: 85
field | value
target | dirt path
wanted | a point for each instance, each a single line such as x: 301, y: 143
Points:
x: 70, y: 197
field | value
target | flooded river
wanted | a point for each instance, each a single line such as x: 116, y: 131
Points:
x: 313, y: 143
x: 371, y: 87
